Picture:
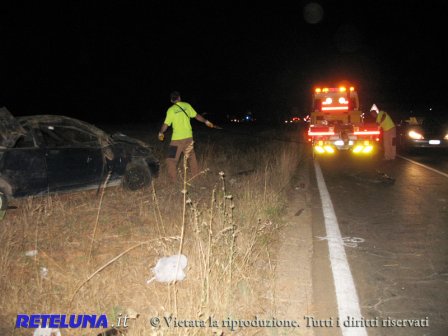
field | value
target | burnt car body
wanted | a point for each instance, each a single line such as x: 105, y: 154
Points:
x: 423, y: 133
x: 48, y: 153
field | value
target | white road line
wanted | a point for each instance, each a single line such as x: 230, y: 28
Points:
x: 424, y: 166
x: 347, y: 298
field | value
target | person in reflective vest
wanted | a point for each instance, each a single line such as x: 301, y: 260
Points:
x: 386, y: 123
x: 178, y: 117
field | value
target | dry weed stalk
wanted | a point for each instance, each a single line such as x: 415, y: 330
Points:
x: 158, y: 215
x: 98, y: 216
x: 209, y: 252
x: 187, y: 153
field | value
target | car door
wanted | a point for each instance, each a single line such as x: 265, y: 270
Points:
x: 73, y: 156
x: 23, y: 166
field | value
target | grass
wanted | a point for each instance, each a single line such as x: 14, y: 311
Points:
x: 99, y: 248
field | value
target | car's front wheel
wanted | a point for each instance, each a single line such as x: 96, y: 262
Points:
x: 3, y: 201
x: 136, y: 176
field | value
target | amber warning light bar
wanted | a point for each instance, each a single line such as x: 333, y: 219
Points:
x: 338, y: 89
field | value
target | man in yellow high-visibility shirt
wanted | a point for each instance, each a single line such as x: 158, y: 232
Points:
x: 178, y: 116
x: 389, y: 132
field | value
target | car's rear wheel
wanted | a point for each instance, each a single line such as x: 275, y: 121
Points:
x: 136, y: 176
x: 3, y: 201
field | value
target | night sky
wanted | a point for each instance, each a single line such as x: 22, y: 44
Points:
x: 117, y: 61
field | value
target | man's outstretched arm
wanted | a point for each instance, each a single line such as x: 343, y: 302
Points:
x: 202, y: 119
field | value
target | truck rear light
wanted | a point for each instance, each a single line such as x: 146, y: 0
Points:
x: 320, y: 133
x: 335, y: 108
x: 324, y: 149
x: 367, y: 149
x: 329, y: 149
x: 357, y: 149
x: 365, y: 132
x: 363, y: 149
x: 319, y: 149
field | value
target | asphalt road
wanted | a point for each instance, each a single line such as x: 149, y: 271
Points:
x: 396, y: 237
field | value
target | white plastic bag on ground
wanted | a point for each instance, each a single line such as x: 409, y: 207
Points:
x: 47, y: 332
x: 165, y: 269
x: 31, y: 253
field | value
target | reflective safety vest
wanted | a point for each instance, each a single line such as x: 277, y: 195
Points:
x: 178, y: 116
x: 385, y: 121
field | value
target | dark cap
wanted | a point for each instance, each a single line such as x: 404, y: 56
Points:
x: 175, y: 95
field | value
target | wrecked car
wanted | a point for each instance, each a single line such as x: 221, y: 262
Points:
x: 47, y: 153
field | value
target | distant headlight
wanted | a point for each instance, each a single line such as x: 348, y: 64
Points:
x: 415, y: 135
x: 446, y: 136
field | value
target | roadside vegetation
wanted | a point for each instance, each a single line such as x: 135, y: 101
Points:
x: 92, y: 252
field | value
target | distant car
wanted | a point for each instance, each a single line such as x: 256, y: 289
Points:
x: 425, y: 132
x: 47, y: 153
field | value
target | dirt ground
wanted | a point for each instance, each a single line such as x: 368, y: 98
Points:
x: 95, y: 250
x: 293, y: 290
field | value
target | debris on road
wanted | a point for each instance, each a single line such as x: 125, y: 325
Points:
x: 377, y: 177
x: 299, y: 212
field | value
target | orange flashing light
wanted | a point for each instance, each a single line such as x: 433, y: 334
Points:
x: 342, y: 89
x: 352, y: 89
x: 325, y: 90
x: 318, y: 90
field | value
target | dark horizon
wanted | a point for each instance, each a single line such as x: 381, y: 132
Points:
x: 119, y: 61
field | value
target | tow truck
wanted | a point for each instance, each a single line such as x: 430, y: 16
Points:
x: 337, y: 123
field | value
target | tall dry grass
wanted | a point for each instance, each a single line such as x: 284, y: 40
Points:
x: 95, y: 252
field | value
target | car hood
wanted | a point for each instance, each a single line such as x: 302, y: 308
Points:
x: 10, y: 129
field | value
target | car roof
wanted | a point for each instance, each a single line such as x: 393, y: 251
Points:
x: 35, y: 120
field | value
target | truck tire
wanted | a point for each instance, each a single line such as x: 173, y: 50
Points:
x: 136, y: 176
x: 3, y: 202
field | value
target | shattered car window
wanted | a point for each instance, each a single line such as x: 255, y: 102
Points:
x: 59, y: 136
x: 25, y: 141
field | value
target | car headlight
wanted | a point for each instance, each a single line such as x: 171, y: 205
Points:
x: 446, y: 136
x: 415, y: 135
